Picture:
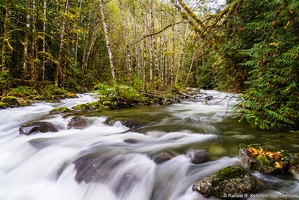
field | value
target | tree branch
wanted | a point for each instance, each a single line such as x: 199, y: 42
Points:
x: 156, y: 33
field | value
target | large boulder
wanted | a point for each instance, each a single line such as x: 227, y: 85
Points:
x: 199, y: 156
x: 37, y: 127
x: 78, y: 122
x: 230, y: 182
x: 264, y: 160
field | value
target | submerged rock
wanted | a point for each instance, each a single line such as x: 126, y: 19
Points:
x: 37, y: 127
x: 230, y: 182
x: 131, y: 123
x: 101, y: 167
x: 132, y: 141
x: 264, y: 160
x: 95, y: 167
x: 78, y: 122
x: 199, y: 156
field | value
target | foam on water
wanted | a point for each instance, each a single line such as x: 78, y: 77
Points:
x: 43, y: 166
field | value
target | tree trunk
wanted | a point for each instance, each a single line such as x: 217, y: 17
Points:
x: 34, y: 45
x: 5, y: 40
x: 109, y: 49
x: 44, y: 40
x: 126, y: 35
x: 144, y: 63
x: 26, y: 40
x: 154, y: 46
x: 61, y: 45
x: 91, y: 42
x: 171, y: 76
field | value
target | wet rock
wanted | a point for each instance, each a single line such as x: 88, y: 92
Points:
x: 131, y: 123
x: 208, y: 98
x: 37, y: 127
x: 78, y: 122
x: 294, y: 170
x: 164, y: 156
x: 264, y: 160
x: 231, y: 182
x: 199, y: 156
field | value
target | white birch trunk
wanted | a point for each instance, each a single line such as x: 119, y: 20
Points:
x: 109, y: 49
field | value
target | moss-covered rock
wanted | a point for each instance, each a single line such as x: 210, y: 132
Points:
x: 37, y: 127
x: 94, y: 105
x: 10, y: 101
x: 59, y: 110
x: 38, y: 97
x: 2, y: 105
x: 78, y: 122
x: 230, y: 182
x: 82, y: 106
x: 264, y: 160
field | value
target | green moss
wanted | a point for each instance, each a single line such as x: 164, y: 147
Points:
x: 2, y: 105
x: 81, y: 107
x: 263, y: 161
x: 59, y: 110
x: 38, y: 97
x: 95, y: 104
x: 22, y: 91
x: 231, y: 172
x: 10, y: 101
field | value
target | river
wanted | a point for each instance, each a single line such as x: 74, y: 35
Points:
x: 109, y: 161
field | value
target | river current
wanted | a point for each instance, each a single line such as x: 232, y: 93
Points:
x: 109, y: 161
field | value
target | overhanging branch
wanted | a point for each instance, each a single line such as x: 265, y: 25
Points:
x: 160, y: 31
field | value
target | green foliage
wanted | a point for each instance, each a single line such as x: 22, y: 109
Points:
x: 23, y: 91
x: 257, y: 55
x: 272, y: 97
x: 2, y: 105
x: 5, y: 77
x: 54, y: 90
x: 117, y: 95
x: 5, y: 81
x: 59, y: 110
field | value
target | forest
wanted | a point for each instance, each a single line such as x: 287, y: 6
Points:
x: 241, y: 46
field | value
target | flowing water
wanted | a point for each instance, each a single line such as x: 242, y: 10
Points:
x: 109, y: 161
